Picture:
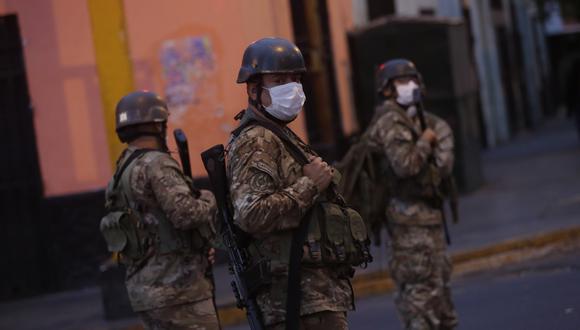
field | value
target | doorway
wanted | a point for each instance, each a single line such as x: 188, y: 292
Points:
x: 323, y: 117
x: 20, y: 180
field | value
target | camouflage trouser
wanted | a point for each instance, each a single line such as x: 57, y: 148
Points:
x: 200, y: 315
x: 316, y: 321
x: 421, y: 270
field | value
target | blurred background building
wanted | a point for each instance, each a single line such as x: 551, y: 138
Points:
x: 492, y: 69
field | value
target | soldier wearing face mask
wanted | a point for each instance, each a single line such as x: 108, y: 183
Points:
x: 416, y: 161
x: 283, y: 197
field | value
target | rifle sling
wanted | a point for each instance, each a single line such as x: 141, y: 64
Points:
x: 294, y: 293
x: 423, y: 123
x: 130, y: 159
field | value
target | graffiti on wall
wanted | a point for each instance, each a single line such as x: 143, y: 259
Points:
x: 188, y: 65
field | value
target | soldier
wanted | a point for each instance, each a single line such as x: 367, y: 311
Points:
x: 162, y: 232
x: 279, y: 188
x: 416, y: 162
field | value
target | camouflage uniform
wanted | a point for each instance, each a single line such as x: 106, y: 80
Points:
x: 419, y: 264
x: 270, y: 195
x: 169, y: 290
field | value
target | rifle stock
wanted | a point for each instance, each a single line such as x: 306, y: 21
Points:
x: 183, y: 148
x: 247, y: 277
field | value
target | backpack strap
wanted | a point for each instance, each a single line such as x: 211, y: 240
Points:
x: 119, y: 173
x: 123, y: 175
x: 291, y: 147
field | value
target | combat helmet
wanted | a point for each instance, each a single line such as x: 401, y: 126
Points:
x: 138, y: 108
x: 396, y: 68
x: 270, y: 55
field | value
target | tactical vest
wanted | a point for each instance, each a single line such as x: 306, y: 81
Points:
x: 419, y: 187
x: 423, y: 186
x: 126, y: 234
x: 336, y: 234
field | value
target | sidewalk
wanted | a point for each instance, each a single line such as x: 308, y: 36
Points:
x: 532, y: 189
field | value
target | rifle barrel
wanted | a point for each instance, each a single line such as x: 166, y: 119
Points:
x: 183, y: 148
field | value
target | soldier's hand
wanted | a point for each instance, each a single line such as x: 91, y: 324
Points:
x: 319, y: 172
x: 211, y: 256
x: 208, y: 197
x: 429, y: 136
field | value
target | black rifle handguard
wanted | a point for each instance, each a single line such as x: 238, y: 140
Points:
x: 247, y: 278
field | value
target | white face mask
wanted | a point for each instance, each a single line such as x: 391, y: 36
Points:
x: 405, y: 93
x: 287, y: 101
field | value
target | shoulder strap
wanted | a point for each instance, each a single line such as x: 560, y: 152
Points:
x: 123, y: 175
x: 294, y: 293
x: 292, y: 148
x: 130, y: 159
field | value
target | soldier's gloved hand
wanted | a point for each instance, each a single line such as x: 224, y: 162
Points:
x: 319, y: 172
x: 429, y: 136
x: 207, y: 196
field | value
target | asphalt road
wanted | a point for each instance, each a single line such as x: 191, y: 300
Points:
x: 542, y: 294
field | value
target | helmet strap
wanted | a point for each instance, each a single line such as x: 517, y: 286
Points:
x: 257, y: 103
x: 162, y: 138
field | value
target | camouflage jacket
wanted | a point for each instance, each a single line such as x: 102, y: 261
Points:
x: 270, y: 195
x: 159, y: 280
x: 398, y: 135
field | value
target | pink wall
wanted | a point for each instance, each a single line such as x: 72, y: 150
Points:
x: 340, y: 21
x: 228, y: 26
x: 65, y: 94
x: 64, y: 87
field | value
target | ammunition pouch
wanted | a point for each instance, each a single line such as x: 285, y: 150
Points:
x: 126, y: 234
x: 122, y: 235
x: 337, y: 238
x: 337, y: 235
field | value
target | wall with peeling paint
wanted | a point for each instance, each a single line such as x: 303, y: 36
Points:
x: 188, y: 51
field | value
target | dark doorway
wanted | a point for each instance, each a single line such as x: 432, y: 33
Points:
x: 20, y: 181
x: 380, y: 8
x: 312, y: 36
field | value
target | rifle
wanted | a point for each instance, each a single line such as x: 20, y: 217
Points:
x: 419, y: 103
x: 183, y: 148
x: 248, y: 278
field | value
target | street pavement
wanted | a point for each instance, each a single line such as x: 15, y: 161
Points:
x: 536, y: 295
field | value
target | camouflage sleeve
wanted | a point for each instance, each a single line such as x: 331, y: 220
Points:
x: 444, y: 151
x: 261, y: 204
x: 174, y: 196
x: 406, y: 156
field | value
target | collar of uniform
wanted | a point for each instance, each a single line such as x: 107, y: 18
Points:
x: 251, y: 114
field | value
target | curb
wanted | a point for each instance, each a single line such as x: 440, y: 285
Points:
x: 488, y: 257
